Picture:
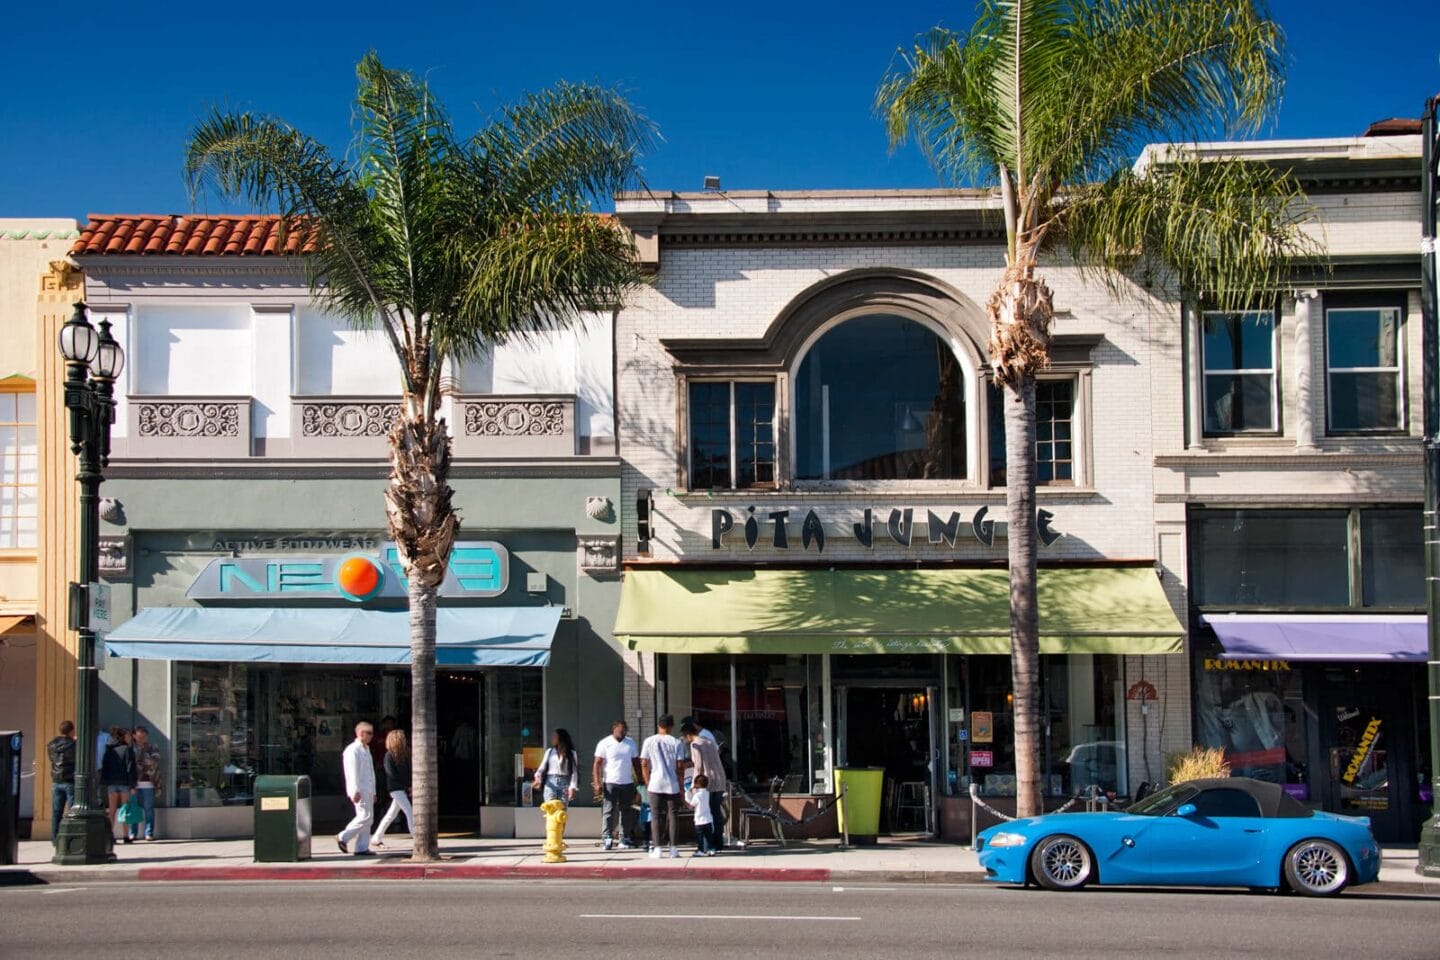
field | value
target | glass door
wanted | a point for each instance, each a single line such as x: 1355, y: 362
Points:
x: 1366, y: 750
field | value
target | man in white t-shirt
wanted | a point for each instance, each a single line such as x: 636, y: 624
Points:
x: 659, y: 761
x: 616, y: 760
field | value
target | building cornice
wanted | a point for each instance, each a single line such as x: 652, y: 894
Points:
x: 105, y: 266
x: 1345, y: 459
x: 538, y: 468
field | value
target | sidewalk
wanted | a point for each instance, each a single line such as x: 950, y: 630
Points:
x: 812, y: 861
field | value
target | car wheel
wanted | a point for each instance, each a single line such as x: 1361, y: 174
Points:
x: 1317, y: 868
x: 1062, y: 863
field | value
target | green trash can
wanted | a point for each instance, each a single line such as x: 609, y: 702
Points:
x: 860, y: 808
x: 282, y: 819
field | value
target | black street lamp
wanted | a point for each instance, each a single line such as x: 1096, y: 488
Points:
x: 92, y: 362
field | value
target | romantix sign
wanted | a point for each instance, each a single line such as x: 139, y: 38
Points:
x: 898, y: 525
x: 478, y: 569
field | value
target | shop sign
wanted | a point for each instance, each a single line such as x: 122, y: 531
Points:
x: 98, y: 613
x: 478, y: 569
x: 982, y: 758
x: 982, y: 723
x: 1213, y: 663
x: 899, y: 526
x: 1362, y: 750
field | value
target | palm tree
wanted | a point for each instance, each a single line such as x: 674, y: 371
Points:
x: 1052, y: 100
x: 447, y: 246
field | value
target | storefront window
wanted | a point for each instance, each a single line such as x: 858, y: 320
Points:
x: 235, y: 721
x: 1255, y: 711
x: 1081, y: 742
x: 771, y: 710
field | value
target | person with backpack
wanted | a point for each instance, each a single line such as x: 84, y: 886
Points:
x: 61, y: 751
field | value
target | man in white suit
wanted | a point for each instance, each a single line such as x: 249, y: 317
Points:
x: 360, y: 788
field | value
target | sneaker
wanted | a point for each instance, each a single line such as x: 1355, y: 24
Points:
x: 608, y: 843
x: 654, y: 853
x: 626, y: 845
x: 674, y: 853
x: 709, y: 853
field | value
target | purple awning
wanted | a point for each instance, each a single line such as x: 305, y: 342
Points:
x: 1396, y: 638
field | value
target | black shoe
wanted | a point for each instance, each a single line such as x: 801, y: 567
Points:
x: 341, y: 844
x: 129, y: 839
x: 364, y: 853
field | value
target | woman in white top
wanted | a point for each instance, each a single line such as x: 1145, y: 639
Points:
x: 559, y: 770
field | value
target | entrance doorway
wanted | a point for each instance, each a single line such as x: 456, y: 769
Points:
x: 459, y: 709
x: 1367, y: 748
x: 892, y: 727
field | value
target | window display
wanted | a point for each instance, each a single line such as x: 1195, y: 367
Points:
x: 1255, y: 711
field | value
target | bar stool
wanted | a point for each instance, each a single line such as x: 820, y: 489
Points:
x: 912, y: 805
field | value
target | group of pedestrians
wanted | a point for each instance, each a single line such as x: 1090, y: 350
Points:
x: 130, y: 768
x: 673, y: 769
x: 360, y: 785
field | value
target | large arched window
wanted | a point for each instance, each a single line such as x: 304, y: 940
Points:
x: 880, y: 398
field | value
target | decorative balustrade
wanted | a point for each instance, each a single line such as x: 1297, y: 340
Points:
x: 515, y: 426
x: 188, y: 427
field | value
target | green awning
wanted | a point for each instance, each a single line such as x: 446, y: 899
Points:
x: 848, y: 610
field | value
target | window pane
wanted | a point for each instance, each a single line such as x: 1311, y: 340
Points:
x: 1363, y: 338
x: 709, y: 435
x: 1226, y: 802
x: 894, y: 397
x: 1392, y: 558
x: 1238, y: 401
x: 7, y: 407
x: 1364, y: 401
x: 995, y: 426
x: 1239, y: 341
x: 754, y: 434
x: 771, y: 696
x: 25, y: 402
x: 1257, y: 717
x: 1285, y: 557
x: 27, y: 441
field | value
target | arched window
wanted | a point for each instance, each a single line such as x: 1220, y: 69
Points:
x: 880, y: 397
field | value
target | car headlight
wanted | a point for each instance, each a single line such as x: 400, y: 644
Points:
x: 1003, y: 839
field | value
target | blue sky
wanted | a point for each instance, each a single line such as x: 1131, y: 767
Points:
x: 766, y: 95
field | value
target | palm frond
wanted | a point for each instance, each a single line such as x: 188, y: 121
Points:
x: 1231, y: 232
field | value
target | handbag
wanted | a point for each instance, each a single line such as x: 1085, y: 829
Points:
x: 130, y: 811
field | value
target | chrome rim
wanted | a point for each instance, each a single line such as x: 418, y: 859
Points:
x: 1064, y: 861
x: 1319, y: 867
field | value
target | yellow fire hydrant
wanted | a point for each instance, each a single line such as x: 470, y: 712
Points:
x: 555, y: 817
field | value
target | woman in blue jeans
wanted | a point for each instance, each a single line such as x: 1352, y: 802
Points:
x: 559, y: 771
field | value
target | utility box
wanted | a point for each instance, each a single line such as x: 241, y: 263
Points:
x: 10, y: 744
x: 282, y: 819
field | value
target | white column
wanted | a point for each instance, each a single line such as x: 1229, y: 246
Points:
x: 1194, y: 380
x: 1304, y: 371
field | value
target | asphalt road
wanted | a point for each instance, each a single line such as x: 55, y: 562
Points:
x: 687, y: 921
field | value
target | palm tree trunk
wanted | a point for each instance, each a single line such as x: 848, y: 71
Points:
x: 425, y: 793
x: 1021, y: 310
x: 423, y: 525
x: 1024, y: 612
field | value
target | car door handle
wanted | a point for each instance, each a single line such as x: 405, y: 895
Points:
x: 1252, y: 830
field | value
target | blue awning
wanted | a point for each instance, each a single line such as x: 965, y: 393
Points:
x: 1379, y: 638
x: 464, y: 636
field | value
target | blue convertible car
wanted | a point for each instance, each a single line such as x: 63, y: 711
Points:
x: 1236, y: 832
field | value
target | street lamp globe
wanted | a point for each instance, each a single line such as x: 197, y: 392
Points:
x: 78, y: 340
x: 109, y: 357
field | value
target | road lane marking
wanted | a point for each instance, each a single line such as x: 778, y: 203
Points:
x: 61, y: 890
x: 700, y: 916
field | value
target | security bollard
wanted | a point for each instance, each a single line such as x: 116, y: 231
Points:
x: 555, y: 817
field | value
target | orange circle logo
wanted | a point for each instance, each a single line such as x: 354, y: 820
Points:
x: 358, y: 578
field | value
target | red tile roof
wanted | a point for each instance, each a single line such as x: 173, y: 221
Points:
x: 191, y: 236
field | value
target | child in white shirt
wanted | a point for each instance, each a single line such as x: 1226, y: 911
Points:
x: 698, y: 799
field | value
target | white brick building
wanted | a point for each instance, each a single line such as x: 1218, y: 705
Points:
x: 738, y: 399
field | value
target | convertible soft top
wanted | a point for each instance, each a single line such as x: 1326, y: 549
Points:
x: 1274, y: 801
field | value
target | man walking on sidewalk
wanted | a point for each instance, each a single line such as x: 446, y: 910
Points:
x: 61, y: 752
x: 360, y: 788
x: 659, y: 756
x: 614, y: 780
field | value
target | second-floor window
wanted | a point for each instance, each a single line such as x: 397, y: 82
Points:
x: 1239, y: 363
x: 19, y: 472
x: 1054, y: 433
x: 1362, y: 356
x: 732, y: 434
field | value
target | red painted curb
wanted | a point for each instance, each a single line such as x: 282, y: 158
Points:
x: 461, y: 871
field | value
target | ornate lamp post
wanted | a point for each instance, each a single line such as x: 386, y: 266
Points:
x: 1429, y: 860
x: 93, y: 359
